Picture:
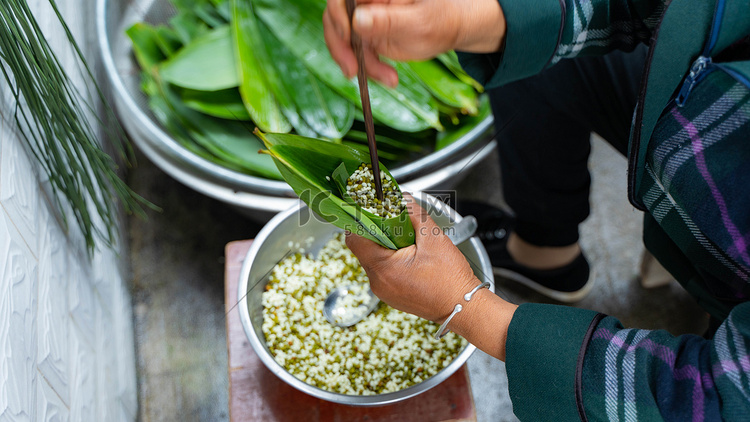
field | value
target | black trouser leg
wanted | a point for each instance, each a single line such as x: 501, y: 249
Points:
x: 545, y: 146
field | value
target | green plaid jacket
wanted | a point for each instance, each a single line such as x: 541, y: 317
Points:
x: 690, y: 171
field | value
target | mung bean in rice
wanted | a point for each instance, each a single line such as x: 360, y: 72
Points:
x: 361, y: 187
x: 388, y: 351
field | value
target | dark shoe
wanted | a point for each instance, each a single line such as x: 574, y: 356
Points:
x: 569, y: 283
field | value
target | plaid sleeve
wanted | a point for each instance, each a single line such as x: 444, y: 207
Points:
x: 542, y: 32
x: 596, y: 27
x: 631, y: 374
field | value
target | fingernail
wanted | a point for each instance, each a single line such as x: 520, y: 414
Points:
x: 393, y: 80
x: 364, y: 20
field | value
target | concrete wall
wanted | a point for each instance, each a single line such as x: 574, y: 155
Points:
x: 66, y: 332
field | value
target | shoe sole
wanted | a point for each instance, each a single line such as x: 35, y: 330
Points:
x: 565, y: 297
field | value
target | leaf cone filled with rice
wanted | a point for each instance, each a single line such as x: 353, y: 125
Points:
x: 335, y: 181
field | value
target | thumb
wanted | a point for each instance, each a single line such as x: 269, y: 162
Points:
x: 380, y: 21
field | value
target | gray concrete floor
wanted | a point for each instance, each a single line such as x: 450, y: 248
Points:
x: 178, y: 268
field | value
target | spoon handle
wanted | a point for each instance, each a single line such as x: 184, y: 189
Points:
x: 463, y: 230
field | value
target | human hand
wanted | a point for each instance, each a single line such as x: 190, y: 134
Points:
x: 411, y: 30
x: 426, y: 279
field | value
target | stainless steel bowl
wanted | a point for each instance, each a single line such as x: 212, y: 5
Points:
x: 260, y: 197
x: 297, y: 224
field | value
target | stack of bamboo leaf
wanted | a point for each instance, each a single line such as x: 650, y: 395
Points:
x: 220, y: 68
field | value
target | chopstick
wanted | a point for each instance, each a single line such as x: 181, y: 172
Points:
x: 365, y: 97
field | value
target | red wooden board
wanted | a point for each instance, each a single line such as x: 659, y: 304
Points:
x: 255, y: 394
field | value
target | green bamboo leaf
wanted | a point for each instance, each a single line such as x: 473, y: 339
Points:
x: 328, y: 114
x: 361, y: 137
x: 145, y: 46
x: 274, y: 82
x: 254, y: 88
x: 423, y: 137
x: 224, y: 8
x: 298, y: 25
x: 382, y: 154
x: 449, y: 112
x: 450, y: 61
x: 213, y: 13
x: 225, y: 104
x: 168, y: 41
x: 310, y: 167
x: 188, y: 26
x: 146, y: 50
x: 165, y: 115
x: 229, y: 142
x: 210, y: 15
x: 236, y: 145
x: 453, y: 133
x: 411, y: 91
x: 206, y: 64
x: 444, y: 85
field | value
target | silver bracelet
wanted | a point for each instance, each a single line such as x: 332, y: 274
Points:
x: 458, y: 308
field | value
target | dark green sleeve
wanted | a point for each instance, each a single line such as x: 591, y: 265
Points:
x: 542, y: 32
x: 523, y: 55
x: 542, y: 353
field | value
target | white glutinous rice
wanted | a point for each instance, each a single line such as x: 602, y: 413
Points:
x: 388, y: 351
x: 361, y: 188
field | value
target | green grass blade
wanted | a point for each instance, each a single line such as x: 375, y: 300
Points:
x: 52, y: 115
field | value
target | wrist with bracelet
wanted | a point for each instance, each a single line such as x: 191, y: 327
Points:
x: 443, y: 330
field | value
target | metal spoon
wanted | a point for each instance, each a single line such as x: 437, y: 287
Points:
x: 343, y: 316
